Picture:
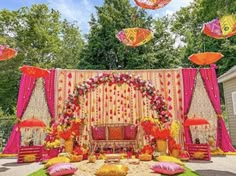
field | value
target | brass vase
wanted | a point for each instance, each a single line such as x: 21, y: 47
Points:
x: 175, y: 153
x: 161, y: 145
x: 68, y: 146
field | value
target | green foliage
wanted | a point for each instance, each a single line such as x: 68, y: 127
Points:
x: 42, y: 39
x: 187, y: 23
x: 105, y: 51
x: 6, y: 124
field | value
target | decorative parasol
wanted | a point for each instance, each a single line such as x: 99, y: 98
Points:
x: 205, y: 58
x: 7, y: 53
x: 134, y: 36
x: 32, y: 123
x: 221, y: 28
x: 195, y: 121
x: 35, y: 72
x: 152, y: 4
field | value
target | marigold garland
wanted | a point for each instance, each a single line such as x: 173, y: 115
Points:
x: 157, y: 101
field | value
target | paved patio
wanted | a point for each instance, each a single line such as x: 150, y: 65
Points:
x: 219, y: 166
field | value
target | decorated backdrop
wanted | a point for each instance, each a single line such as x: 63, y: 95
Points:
x: 188, y: 92
x: 119, y: 103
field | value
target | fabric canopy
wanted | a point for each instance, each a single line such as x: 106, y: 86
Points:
x: 195, y: 121
x: 31, y: 123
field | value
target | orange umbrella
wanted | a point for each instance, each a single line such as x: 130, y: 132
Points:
x: 195, y: 121
x: 152, y: 4
x: 6, y: 53
x: 35, y: 72
x: 205, y: 58
x: 134, y: 36
x: 31, y: 123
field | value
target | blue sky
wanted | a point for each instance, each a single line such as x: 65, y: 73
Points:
x: 81, y: 10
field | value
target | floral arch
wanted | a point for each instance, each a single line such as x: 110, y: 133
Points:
x: 157, y: 101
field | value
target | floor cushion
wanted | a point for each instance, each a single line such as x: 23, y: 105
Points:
x: 167, y: 168
x: 62, y: 169
x: 112, y: 170
x: 171, y: 159
x: 56, y: 160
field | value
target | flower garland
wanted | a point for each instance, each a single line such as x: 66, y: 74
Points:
x: 157, y: 101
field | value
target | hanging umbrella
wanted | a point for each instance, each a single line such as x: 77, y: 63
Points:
x: 134, y: 36
x: 35, y: 72
x: 195, y: 121
x: 205, y: 58
x: 152, y: 4
x: 221, y: 28
x: 32, y: 123
x: 6, y: 53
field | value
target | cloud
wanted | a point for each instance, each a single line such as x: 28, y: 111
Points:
x: 79, y: 11
x: 169, y: 12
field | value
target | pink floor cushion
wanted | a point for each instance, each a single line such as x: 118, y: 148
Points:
x: 167, y: 168
x: 130, y: 132
x: 99, y: 133
x: 62, y: 169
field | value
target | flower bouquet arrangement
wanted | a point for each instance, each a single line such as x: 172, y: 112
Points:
x: 155, y: 129
x: 66, y: 130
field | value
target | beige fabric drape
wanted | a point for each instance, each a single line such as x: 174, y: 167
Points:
x: 38, y: 108
x: 201, y: 107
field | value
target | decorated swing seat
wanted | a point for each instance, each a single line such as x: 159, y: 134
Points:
x: 114, y: 138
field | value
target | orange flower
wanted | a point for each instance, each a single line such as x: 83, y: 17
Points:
x: 66, y: 135
x: 69, y: 111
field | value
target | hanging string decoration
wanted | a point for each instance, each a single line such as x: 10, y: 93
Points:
x: 134, y: 36
x: 152, y: 4
x: 221, y: 28
x: 7, y: 53
x: 157, y: 101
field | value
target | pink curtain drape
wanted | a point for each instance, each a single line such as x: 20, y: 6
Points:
x: 211, y: 84
x: 189, y: 76
x: 50, y: 92
x: 13, y: 143
x: 27, y: 84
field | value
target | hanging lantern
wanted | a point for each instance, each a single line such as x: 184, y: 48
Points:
x: 152, y: 4
x: 7, y: 53
x: 35, y: 72
x: 221, y: 28
x: 205, y: 58
x: 134, y: 36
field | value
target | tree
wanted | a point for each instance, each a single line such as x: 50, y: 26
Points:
x: 187, y: 24
x: 42, y: 39
x: 103, y: 50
